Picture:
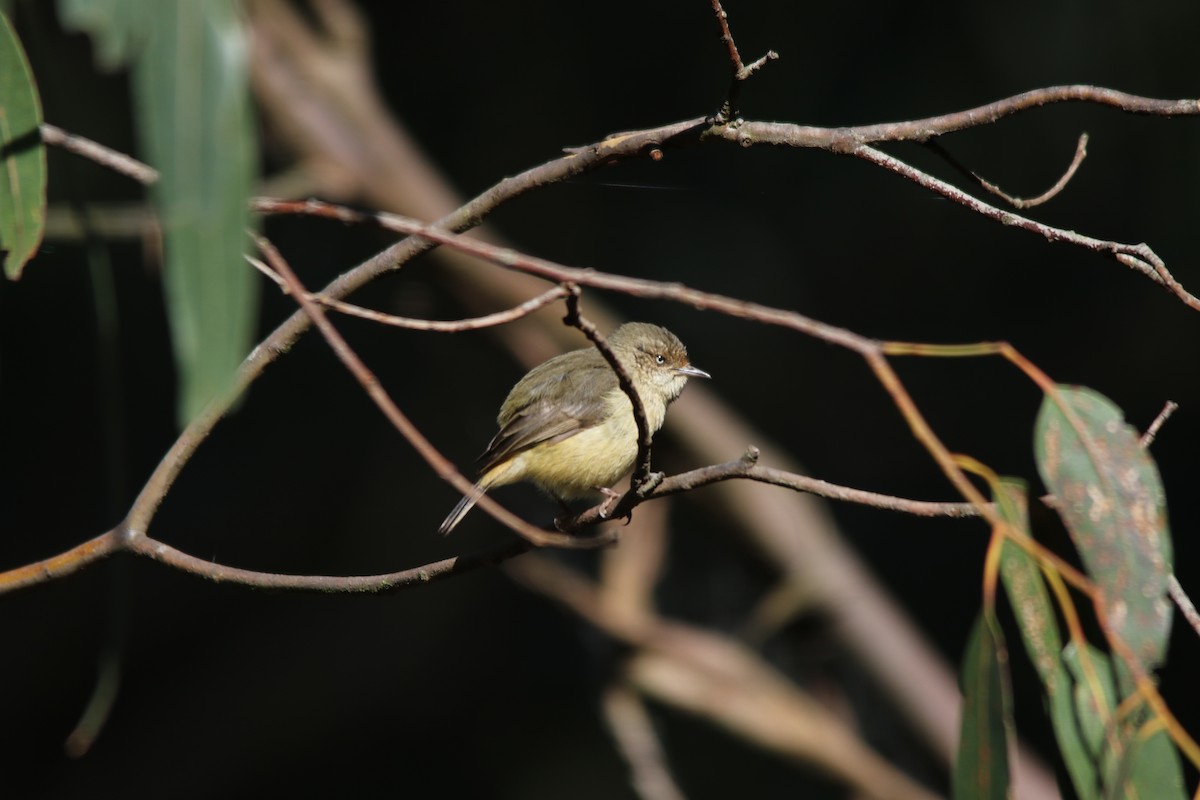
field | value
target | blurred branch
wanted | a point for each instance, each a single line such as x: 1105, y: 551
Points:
x: 1151, y: 432
x: 634, y: 734
x: 714, y: 677
x: 1186, y: 607
x: 98, y: 153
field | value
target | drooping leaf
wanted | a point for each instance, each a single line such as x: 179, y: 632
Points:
x: 981, y: 770
x: 1110, y: 496
x: 1095, y: 698
x: 1026, y: 589
x: 1157, y: 771
x: 194, y: 118
x: 1040, y: 633
x: 1135, y: 760
x: 22, y: 156
x: 118, y: 27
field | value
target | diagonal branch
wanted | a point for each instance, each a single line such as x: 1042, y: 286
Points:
x: 642, y: 479
x: 1136, y: 256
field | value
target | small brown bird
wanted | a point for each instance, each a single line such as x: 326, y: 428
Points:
x: 567, y: 426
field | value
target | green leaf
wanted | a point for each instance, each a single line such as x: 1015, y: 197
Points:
x: 981, y: 771
x: 22, y: 156
x: 118, y: 27
x: 1157, y: 770
x: 1039, y: 631
x: 1136, y: 761
x: 194, y: 117
x: 1110, y: 496
x: 1095, y: 703
x: 1023, y: 581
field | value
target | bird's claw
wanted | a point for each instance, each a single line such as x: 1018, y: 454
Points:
x: 610, y: 497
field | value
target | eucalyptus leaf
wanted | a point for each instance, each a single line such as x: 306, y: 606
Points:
x: 1038, y: 624
x: 1111, y: 499
x: 22, y: 156
x: 981, y: 769
x: 189, y: 65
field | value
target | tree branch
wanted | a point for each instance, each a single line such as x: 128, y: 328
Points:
x: 409, y: 323
x: 642, y: 481
x: 98, y: 153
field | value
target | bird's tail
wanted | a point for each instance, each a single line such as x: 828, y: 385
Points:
x: 464, y: 505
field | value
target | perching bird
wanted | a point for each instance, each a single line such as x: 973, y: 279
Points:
x: 567, y: 426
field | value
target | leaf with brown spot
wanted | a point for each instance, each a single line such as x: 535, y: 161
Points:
x: 1111, y: 499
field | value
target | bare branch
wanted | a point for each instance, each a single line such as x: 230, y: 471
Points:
x: 747, y: 468
x: 94, y: 151
x: 1168, y: 409
x: 642, y: 480
x: 1137, y: 256
x: 1017, y: 202
x: 717, y: 678
x: 438, y: 326
x: 750, y: 133
x: 727, y: 37
x: 325, y: 584
x: 741, y: 71
x: 1184, y: 602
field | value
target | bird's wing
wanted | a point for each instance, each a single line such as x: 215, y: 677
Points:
x: 550, y: 404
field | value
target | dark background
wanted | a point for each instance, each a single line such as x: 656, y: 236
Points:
x: 473, y: 687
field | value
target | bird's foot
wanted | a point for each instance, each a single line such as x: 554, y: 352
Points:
x: 651, y: 483
x: 610, y: 496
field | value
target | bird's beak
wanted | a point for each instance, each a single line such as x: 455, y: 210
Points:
x: 692, y: 372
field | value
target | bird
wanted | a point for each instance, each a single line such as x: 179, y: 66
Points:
x: 568, y: 427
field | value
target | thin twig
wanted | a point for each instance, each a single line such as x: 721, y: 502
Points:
x: 1136, y: 256
x: 437, y: 326
x: 641, y: 467
x: 727, y: 36
x: 94, y: 151
x: 1017, y: 202
x: 1184, y: 602
x: 741, y: 72
x: 1168, y: 409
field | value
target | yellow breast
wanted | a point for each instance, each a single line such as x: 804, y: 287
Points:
x: 597, y: 457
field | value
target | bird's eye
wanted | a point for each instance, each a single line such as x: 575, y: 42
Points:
x: 660, y: 359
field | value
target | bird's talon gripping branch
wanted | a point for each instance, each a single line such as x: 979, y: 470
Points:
x: 651, y: 483
x: 610, y: 496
